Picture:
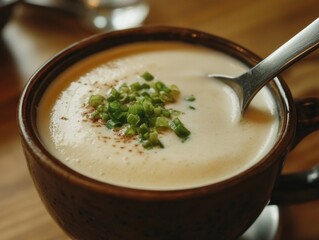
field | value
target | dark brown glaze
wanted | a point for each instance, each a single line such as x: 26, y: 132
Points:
x: 303, y: 186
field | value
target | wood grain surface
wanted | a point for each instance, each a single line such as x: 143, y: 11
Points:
x: 34, y: 35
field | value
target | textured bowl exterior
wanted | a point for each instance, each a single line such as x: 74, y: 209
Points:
x: 88, y: 209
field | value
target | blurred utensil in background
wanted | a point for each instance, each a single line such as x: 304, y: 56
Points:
x: 6, y: 7
x: 100, y: 15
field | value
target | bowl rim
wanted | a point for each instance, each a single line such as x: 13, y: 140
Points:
x: 36, y: 85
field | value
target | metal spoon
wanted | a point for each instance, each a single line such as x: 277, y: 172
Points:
x: 248, y: 84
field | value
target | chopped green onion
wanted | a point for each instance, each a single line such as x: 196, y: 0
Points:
x: 175, y: 113
x: 159, y: 86
x: 139, y: 110
x: 147, y: 76
x: 190, y: 98
x: 129, y: 131
x: 111, y: 124
x: 166, y: 98
x: 166, y: 113
x: 175, y: 91
x: 178, y: 127
x: 100, y: 108
x: 96, y: 100
x: 145, y: 86
x: 124, y: 88
x: 147, y: 144
x: 161, y: 122
x: 157, y: 111
x: 95, y: 115
x: 135, y: 86
x: 105, y: 117
x: 148, y: 108
x: 133, y: 119
x: 118, y: 116
x: 153, y: 138
x: 143, y: 129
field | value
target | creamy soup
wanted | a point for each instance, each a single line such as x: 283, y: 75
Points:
x: 221, y: 144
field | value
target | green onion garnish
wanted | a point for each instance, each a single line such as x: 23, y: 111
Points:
x: 190, y: 98
x: 178, y: 127
x: 147, y: 76
x: 139, y: 110
x: 96, y: 100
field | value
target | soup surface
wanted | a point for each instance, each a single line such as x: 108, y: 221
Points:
x: 221, y: 143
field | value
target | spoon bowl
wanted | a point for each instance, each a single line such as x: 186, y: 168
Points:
x: 248, y: 84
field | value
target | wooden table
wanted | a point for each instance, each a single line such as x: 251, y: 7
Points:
x: 34, y: 35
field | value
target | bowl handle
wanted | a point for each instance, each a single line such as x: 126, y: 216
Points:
x: 303, y: 186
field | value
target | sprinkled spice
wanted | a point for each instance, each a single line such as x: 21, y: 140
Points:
x: 138, y: 110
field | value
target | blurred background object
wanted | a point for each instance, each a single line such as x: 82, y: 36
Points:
x: 38, y: 29
x: 100, y: 15
x: 6, y: 8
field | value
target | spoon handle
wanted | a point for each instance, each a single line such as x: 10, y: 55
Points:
x: 300, y: 45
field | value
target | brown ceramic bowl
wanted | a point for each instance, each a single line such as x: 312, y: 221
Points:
x: 89, y: 209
